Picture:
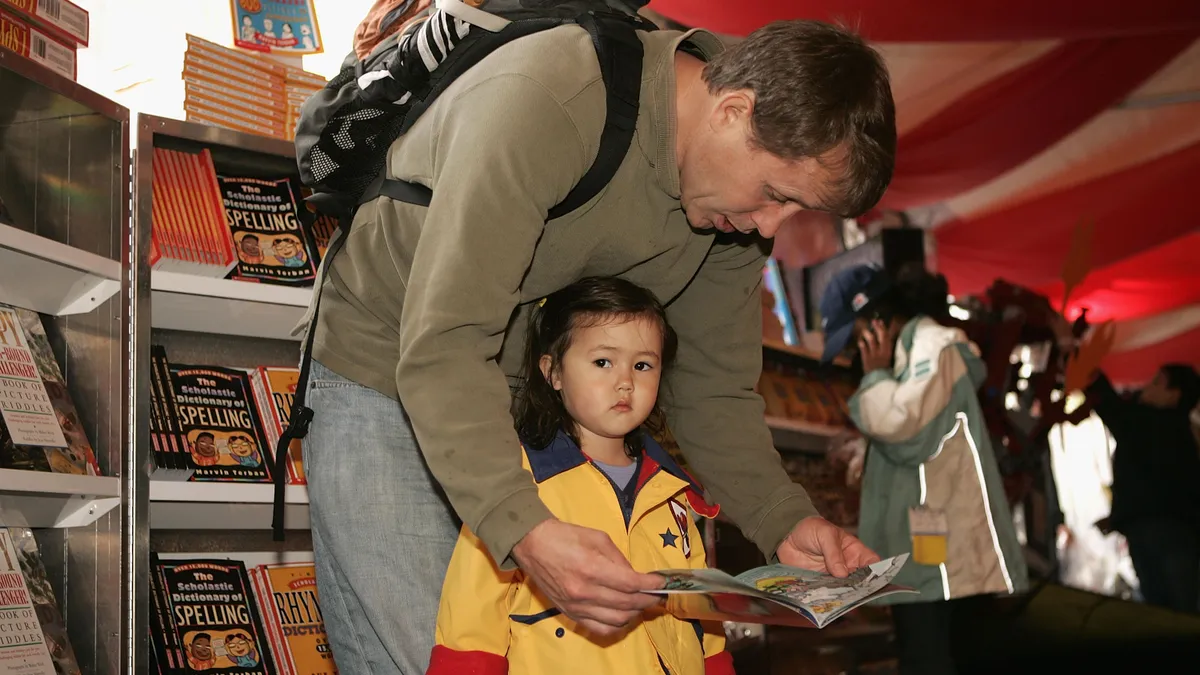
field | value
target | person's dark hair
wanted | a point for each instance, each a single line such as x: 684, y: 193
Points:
x: 538, y: 410
x: 1184, y: 379
x: 819, y: 91
x: 914, y: 291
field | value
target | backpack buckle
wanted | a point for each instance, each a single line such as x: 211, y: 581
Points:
x: 302, y: 416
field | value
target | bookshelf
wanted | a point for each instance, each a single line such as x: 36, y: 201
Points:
x: 64, y: 178
x: 223, y: 306
x: 213, y: 321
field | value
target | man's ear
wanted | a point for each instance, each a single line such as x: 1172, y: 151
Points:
x: 733, y: 108
x: 546, y: 364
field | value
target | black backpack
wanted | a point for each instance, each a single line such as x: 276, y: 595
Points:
x: 345, y: 130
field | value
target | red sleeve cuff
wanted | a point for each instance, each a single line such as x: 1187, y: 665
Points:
x: 446, y: 661
x: 720, y: 663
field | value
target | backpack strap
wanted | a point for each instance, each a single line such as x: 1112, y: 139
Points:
x: 620, y: 53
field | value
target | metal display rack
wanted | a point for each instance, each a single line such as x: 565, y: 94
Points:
x: 64, y: 177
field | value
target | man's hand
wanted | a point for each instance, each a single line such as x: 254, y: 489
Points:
x: 819, y: 545
x: 586, y: 576
x: 876, y: 344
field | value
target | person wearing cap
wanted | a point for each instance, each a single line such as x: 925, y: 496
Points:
x: 931, y: 486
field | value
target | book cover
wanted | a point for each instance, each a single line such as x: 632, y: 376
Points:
x: 214, y: 617
x: 40, y: 429
x: 291, y: 610
x: 274, y: 391
x: 267, y: 234
x: 219, y: 424
x: 41, y: 594
x: 22, y: 644
x: 27, y: 41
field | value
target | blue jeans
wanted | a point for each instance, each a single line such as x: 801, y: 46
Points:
x: 382, y: 529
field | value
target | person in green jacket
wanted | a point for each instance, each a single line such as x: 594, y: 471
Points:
x: 931, y: 486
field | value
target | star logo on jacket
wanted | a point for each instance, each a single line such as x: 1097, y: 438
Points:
x: 680, y: 513
x: 668, y: 538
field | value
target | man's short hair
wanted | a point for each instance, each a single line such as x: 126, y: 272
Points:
x: 1183, y: 378
x: 818, y: 89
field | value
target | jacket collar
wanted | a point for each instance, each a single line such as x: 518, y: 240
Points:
x: 658, y: 137
x: 563, y: 454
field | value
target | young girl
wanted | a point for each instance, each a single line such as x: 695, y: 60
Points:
x: 595, y: 354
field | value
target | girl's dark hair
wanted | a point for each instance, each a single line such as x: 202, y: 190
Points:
x: 538, y: 409
x: 915, y: 292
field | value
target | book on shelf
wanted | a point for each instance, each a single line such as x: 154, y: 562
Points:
x: 40, y: 429
x: 216, y: 424
x: 291, y: 610
x: 264, y: 224
x: 219, y: 425
x: 204, y: 617
x: 274, y: 391
x: 798, y: 394
x: 33, y: 635
x: 29, y: 41
x: 66, y: 21
x: 251, y: 229
x: 188, y: 230
x: 247, y: 92
x: 778, y: 594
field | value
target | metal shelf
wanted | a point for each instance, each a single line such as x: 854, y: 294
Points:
x: 192, y: 505
x: 64, y: 179
x: 42, y: 499
x: 53, y: 278
x: 226, y: 307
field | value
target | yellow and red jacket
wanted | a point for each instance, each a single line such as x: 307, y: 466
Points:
x: 495, y: 622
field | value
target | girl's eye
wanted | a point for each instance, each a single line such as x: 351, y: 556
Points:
x: 602, y: 363
x: 642, y: 365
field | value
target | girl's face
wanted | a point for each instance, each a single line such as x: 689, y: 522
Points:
x: 609, y: 376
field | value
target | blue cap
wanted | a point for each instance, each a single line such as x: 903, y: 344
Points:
x: 850, y: 293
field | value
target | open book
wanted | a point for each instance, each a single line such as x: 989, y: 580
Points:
x: 777, y: 594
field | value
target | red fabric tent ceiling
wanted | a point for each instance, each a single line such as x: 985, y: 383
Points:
x: 1012, y: 118
x: 946, y: 20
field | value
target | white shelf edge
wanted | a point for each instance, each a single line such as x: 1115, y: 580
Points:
x: 229, y: 289
x: 225, y: 306
x: 805, y: 427
x: 224, y: 493
x: 50, y: 277
x: 188, y: 505
x: 43, y: 499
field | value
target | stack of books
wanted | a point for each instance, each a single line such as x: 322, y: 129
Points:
x: 243, y: 91
x: 47, y: 32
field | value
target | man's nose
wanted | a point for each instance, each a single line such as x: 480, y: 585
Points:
x: 770, y: 219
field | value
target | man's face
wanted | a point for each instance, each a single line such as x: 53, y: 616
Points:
x: 202, y: 649
x: 1159, y: 393
x: 728, y: 183
x: 250, y: 246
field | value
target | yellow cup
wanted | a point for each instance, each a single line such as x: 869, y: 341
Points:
x: 929, y: 549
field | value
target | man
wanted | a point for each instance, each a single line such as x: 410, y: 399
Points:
x: 423, y: 311
x: 1156, y: 470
